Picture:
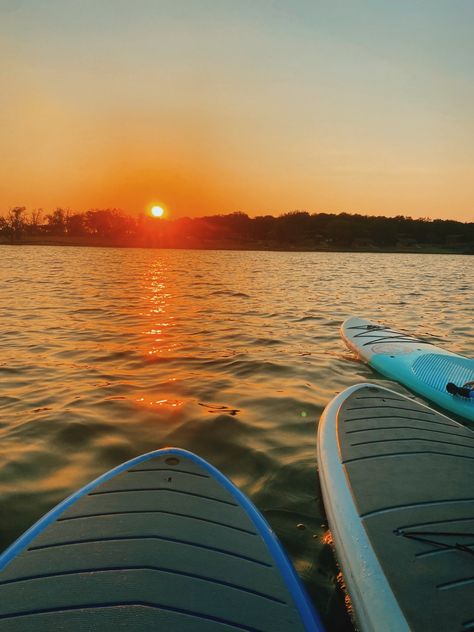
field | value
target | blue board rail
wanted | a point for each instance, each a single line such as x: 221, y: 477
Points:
x: 287, y: 573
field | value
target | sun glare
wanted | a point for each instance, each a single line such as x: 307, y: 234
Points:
x: 157, y: 211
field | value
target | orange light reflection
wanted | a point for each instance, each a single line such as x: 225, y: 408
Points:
x: 160, y: 403
x: 159, y: 324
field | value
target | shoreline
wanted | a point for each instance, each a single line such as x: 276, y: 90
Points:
x: 223, y: 245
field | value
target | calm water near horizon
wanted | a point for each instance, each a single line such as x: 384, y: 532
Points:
x: 109, y: 353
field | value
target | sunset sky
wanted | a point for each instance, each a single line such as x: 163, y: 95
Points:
x: 262, y: 106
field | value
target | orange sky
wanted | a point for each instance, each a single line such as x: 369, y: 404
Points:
x: 213, y: 106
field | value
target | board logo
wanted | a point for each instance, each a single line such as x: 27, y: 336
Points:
x: 392, y: 349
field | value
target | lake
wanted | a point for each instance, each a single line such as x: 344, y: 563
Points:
x: 109, y: 353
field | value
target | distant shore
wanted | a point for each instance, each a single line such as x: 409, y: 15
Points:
x: 296, y: 231
x: 227, y: 244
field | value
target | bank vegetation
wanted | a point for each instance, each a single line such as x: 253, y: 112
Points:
x: 297, y: 230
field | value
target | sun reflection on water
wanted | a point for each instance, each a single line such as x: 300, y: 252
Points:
x: 159, y: 305
x: 158, y: 299
x: 160, y: 403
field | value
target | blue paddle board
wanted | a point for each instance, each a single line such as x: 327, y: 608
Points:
x: 162, y: 542
x: 420, y: 366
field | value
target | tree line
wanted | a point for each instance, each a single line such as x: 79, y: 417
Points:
x: 293, y: 230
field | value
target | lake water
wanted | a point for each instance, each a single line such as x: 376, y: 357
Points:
x: 109, y: 353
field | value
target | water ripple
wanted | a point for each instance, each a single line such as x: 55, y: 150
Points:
x: 109, y: 353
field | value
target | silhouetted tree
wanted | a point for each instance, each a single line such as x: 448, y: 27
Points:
x: 261, y: 227
x: 35, y: 221
x: 76, y: 225
x: 293, y: 228
x: 16, y: 222
x: 341, y: 231
x: 107, y: 222
x: 57, y: 222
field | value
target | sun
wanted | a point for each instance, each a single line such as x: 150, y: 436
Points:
x: 157, y: 211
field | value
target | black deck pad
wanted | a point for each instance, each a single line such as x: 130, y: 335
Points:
x: 411, y: 473
x: 161, y: 546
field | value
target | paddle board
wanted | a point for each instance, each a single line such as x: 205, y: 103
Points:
x: 396, y: 478
x: 418, y: 365
x: 162, y: 542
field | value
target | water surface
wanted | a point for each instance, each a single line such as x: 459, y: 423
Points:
x: 109, y: 353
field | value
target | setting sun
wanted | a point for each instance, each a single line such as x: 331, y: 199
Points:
x: 157, y: 211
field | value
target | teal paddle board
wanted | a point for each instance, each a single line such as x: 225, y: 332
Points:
x: 420, y: 366
x: 397, y: 483
x: 162, y: 542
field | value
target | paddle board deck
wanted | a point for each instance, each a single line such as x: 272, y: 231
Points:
x: 396, y: 479
x: 162, y: 542
x: 418, y: 365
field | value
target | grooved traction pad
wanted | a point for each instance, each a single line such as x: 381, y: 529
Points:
x: 411, y: 474
x: 156, y: 547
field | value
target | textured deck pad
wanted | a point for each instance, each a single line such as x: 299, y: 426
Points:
x: 411, y: 473
x: 420, y: 366
x: 436, y: 370
x: 160, y: 546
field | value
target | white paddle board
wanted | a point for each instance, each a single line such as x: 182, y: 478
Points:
x: 396, y: 478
